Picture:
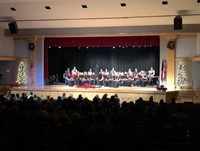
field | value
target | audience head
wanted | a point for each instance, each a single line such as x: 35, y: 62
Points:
x: 173, y: 101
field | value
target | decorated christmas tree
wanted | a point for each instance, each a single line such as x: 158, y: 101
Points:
x: 21, y: 75
x: 182, y: 80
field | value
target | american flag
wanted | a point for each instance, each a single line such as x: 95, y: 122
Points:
x: 164, y: 68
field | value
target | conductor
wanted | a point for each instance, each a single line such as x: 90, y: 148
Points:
x: 96, y: 72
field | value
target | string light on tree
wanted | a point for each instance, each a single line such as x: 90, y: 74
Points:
x: 182, y: 80
x: 21, y: 75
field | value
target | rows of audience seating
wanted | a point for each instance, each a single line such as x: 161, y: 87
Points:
x: 102, y: 124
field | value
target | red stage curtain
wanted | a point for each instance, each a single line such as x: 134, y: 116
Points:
x: 96, y: 41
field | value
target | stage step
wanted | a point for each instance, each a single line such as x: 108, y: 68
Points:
x: 189, y: 96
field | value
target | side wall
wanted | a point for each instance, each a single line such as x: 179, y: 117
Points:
x: 8, y: 71
x: 21, y: 49
x: 6, y: 45
x: 12, y: 48
x: 7, y: 68
x: 39, y: 61
x: 187, y: 47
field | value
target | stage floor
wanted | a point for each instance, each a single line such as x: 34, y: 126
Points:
x: 125, y: 93
x: 74, y: 88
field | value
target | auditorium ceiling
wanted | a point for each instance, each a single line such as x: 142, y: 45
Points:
x: 63, y: 14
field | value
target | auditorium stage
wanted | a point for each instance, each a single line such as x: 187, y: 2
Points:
x: 125, y: 93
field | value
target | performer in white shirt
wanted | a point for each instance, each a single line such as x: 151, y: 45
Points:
x: 75, y: 75
x: 67, y: 77
x: 151, y: 74
x: 74, y: 70
x: 112, y: 72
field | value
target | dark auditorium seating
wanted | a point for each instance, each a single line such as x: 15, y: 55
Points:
x: 98, y: 124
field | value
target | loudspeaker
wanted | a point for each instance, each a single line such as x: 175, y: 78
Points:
x: 13, y: 27
x: 178, y: 23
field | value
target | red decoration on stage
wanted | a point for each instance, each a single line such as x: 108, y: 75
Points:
x: 161, y: 88
x: 16, y: 84
x: 85, y: 85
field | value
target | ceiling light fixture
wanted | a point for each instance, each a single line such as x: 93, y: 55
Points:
x: 164, y: 2
x: 123, y: 4
x: 48, y: 7
x: 12, y: 9
x: 84, y: 6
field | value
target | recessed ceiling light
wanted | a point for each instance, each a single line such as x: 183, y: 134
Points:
x: 123, y: 4
x: 84, y: 6
x: 12, y: 9
x: 47, y: 7
x: 165, y: 2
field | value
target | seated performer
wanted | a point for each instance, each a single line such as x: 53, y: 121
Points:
x: 90, y: 72
x: 136, y: 81
x: 106, y: 74
x: 57, y: 79
x: 130, y: 78
x: 125, y: 79
x: 122, y: 78
x: 91, y: 77
x: 74, y: 70
x: 101, y: 77
x: 83, y: 78
x: 130, y: 73
x: 75, y: 76
x: 106, y: 78
x: 101, y: 72
x: 116, y: 82
x: 143, y: 78
x: 112, y: 73
x: 66, y: 76
x: 52, y: 79
x: 107, y: 81
x: 151, y: 74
